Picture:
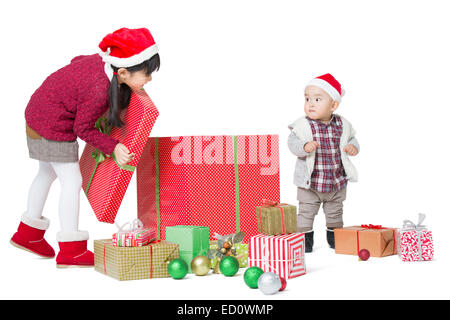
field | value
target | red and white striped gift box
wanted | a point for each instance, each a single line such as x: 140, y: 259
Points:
x: 283, y: 255
x: 136, y: 238
x: 109, y: 182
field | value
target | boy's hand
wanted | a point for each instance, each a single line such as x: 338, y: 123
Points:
x: 351, y: 150
x: 123, y: 155
x: 311, y: 146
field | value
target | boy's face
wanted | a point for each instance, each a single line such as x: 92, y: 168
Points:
x: 318, y: 104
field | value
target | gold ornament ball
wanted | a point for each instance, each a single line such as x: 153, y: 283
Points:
x: 200, y: 265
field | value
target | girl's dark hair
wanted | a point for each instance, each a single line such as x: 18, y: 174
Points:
x: 119, y: 95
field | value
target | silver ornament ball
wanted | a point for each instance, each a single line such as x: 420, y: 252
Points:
x: 269, y: 283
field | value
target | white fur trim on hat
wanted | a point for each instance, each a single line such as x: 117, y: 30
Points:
x: 70, y: 236
x: 328, y: 88
x: 41, y: 224
x: 109, y: 71
x: 131, y: 61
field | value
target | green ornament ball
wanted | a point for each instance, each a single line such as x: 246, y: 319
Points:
x: 178, y: 268
x: 229, y: 266
x: 252, y: 275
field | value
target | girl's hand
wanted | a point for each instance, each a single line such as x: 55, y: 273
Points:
x: 351, y: 150
x: 311, y: 146
x: 122, y: 154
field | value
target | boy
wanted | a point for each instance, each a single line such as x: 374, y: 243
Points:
x: 322, y: 142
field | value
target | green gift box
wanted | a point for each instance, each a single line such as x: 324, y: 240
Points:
x: 241, y: 253
x: 192, y: 241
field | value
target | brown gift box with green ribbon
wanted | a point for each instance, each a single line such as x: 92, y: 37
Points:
x: 378, y: 240
x: 276, y: 218
x: 134, y: 263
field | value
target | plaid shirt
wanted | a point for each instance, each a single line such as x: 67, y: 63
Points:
x: 328, y: 173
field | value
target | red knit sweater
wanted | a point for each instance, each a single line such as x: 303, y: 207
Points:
x: 69, y: 102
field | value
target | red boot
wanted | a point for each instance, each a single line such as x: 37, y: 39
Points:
x: 73, y: 250
x: 30, y: 236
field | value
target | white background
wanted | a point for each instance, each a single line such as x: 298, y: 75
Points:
x: 239, y: 67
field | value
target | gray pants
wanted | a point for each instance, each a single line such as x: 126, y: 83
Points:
x: 309, y: 205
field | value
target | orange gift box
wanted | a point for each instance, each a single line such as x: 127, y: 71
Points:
x: 378, y: 240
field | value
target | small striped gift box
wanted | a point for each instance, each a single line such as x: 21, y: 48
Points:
x: 283, y: 254
x: 135, y: 238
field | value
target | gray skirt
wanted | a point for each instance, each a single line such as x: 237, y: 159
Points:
x: 52, y: 151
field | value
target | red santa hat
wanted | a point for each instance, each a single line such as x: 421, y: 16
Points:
x: 128, y: 47
x: 329, y: 84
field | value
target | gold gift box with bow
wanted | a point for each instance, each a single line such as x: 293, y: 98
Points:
x: 276, y: 218
x: 134, y: 263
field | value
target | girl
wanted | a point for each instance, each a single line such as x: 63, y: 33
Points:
x: 66, y: 106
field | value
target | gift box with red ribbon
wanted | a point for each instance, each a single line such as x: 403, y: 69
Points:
x: 213, y: 181
x: 415, y: 242
x: 134, y: 263
x: 134, y: 236
x: 283, y: 255
x: 276, y: 218
x: 378, y: 240
x: 104, y: 181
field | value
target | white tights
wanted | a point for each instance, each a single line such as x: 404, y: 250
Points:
x: 69, y: 202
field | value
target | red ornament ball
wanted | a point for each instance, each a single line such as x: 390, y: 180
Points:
x: 364, y: 254
x: 283, y: 284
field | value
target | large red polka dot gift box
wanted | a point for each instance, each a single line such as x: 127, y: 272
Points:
x: 104, y: 181
x: 212, y: 181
